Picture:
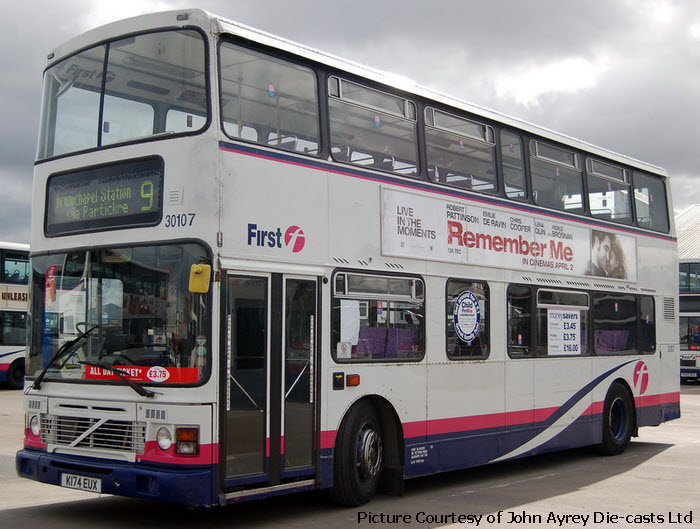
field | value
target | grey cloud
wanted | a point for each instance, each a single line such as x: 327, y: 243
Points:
x: 644, y: 106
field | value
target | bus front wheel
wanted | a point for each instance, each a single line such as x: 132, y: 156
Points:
x: 358, y: 456
x: 15, y: 375
x: 618, y: 420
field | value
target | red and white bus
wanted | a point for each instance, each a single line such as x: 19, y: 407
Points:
x: 14, y: 270
x: 260, y: 269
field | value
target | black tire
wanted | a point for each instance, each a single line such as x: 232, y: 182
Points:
x: 618, y: 420
x: 358, y: 456
x: 15, y: 375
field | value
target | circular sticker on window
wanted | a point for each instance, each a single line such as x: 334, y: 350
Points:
x: 467, y: 316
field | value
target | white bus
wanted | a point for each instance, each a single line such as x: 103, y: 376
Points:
x: 688, y: 224
x: 14, y: 267
x: 260, y: 269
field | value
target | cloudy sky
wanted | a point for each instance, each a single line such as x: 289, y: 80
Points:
x: 622, y: 74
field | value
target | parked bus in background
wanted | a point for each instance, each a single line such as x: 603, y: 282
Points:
x: 688, y: 226
x: 14, y: 267
x: 260, y: 269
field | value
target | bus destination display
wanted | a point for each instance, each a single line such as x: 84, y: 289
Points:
x: 106, y: 197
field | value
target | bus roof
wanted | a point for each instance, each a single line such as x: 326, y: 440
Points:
x: 14, y: 246
x: 218, y: 25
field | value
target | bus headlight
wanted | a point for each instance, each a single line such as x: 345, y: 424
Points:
x: 187, y: 441
x: 34, y: 425
x: 164, y: 438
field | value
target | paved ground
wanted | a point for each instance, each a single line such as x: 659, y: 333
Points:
x: 653, y: 484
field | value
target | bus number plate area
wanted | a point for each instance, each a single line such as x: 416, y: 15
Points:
x: 73, y: 481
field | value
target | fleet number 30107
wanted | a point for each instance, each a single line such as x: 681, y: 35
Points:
x: 179, y: 220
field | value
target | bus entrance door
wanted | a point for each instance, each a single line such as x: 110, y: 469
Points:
x: 269, y: 395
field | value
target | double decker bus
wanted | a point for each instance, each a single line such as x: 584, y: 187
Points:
x: 688, y: 226
x: 260, y: 269
x: 14, y: 270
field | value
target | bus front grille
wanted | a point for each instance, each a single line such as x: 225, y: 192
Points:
x: 89, y: 432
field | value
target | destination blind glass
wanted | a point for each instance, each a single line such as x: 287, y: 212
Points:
x: 106, y: 197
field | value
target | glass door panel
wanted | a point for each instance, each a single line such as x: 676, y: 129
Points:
x: 299, y: 346
x: 246, y: 387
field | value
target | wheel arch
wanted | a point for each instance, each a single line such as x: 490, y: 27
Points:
x: 391, y: 480
x: 622, y: 382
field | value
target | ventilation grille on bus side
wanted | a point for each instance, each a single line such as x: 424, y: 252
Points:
x: 669, y: 309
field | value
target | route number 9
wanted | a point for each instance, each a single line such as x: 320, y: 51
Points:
x: 147, y: 194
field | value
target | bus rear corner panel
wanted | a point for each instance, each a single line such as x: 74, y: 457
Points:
x: 190, y: 486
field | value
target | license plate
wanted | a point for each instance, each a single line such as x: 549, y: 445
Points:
x: 72, y: 481
x: 689, y: 375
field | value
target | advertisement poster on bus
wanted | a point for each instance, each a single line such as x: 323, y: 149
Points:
x: 436, y: 229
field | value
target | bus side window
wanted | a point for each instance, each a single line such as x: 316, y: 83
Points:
x: 467, y: 330
x: 512, y: 166
x: 520, y: 300
x: 366, y: 329
x: 615, y: 319
x: 268, y: 101
x: 462, y: 152
x: 650, y: 202
x: 647, y: 335
x: 557, y: 178
x: 378, y: 128
x: 609, y: 196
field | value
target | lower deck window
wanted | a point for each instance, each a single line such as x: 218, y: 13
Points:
x: 377, y: 318
x: 467, y: 317
x: 548, y: 322
x: 14, y: 328
x: 559, y: 326
x: 623, y: 324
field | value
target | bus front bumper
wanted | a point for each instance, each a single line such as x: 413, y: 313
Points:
x: 690, y: 373
x: 192, y: 486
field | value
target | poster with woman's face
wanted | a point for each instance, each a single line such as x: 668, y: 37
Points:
x: 613, y: 256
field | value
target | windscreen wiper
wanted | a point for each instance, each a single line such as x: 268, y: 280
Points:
x: 138, y: 388
x: 62, y: 351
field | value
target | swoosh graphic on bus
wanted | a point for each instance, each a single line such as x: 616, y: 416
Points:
x: 339, y: 169
x: 566, y: 414
x: 3, y: 355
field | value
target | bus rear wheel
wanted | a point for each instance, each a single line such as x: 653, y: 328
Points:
x: 618, y: 420
x: 15, y: 375
x: 358, y: 457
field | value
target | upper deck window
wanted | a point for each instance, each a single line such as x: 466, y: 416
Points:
x: 372, y: 128
x: 512, y: 166
x: 609, y: 194
x: 15, y: 266
x: 650, y: 202
x: 267, y: 100
x: 689, y: 277
x: 129, y: 89
x: 461, y: 152
x: 556, y: 177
